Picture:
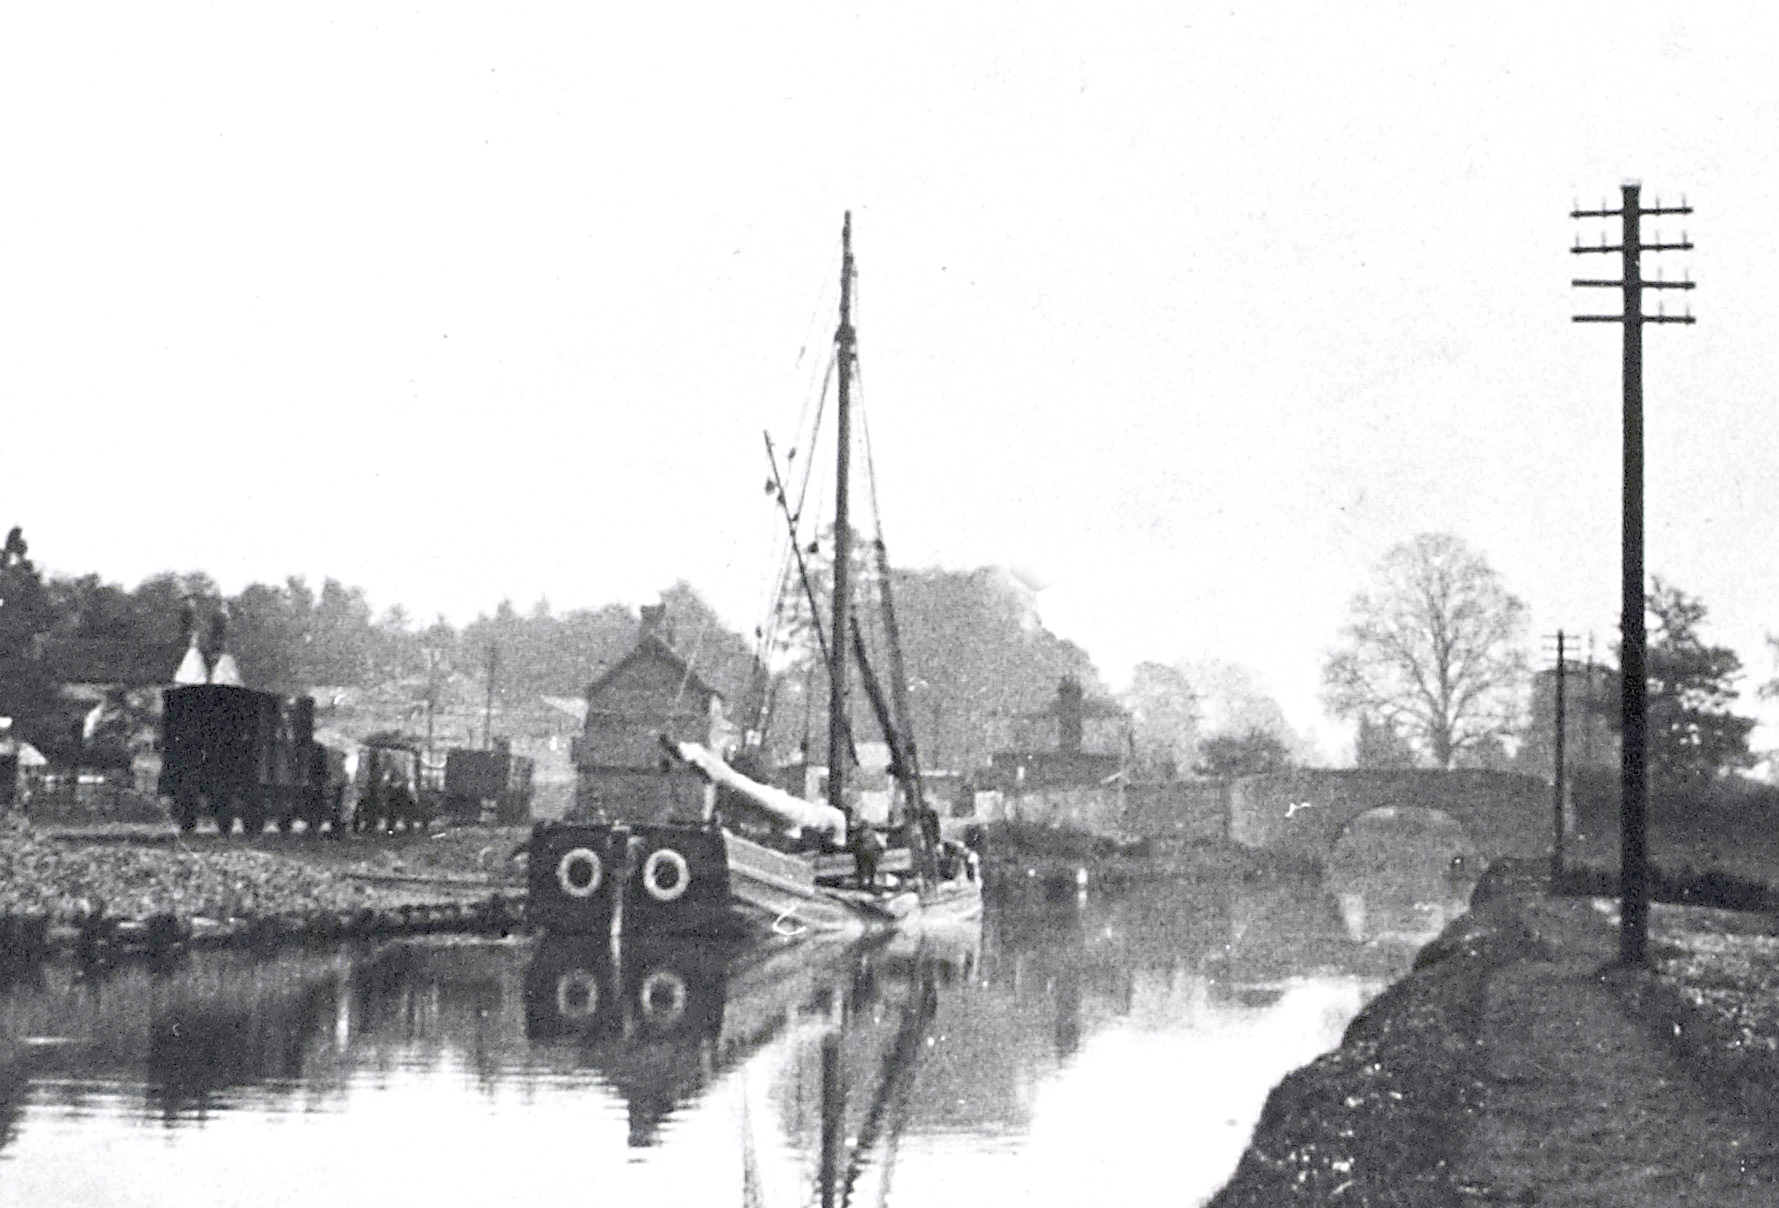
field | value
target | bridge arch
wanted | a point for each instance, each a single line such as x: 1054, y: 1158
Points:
x: 1414, y: 818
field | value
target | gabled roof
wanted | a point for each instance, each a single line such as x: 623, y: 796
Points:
x: 651, y: 646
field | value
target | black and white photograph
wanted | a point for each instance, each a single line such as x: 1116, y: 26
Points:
x: 827, y: 605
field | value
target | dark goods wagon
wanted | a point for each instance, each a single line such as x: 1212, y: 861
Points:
x: 475, y: 780
x: 239, y: 753
x: 388, y: 786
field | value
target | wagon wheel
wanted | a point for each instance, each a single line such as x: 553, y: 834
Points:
x: 253, y: 816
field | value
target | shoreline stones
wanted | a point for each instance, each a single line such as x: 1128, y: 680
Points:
x: 29, y: 939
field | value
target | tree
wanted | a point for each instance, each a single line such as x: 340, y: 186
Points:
x: 974, y: 649
x: 1693, y: 737
x: 723, y: 658
x: 1164, y: 720
x: 1250, y: 753
x: 1378, y: 745
x: 1433, y: 649
x: 1232, y: 699
x: 26, y: 616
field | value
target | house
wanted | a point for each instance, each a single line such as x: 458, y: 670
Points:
x: 621, y: 771
x: 1074, y: 743
x: 1590, y: 708
x: 112, y: 691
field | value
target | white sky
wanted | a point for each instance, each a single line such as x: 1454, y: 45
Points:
x: 1197, y: 311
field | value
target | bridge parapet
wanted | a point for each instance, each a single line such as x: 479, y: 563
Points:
x: 1304, y: 812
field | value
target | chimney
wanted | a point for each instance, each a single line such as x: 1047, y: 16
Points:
x: 654, y: 623
x: 1068, y: 715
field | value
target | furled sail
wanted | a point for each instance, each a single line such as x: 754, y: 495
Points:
x: 788, y: 808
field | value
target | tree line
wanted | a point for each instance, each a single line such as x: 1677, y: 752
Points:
x: 973, y: 650
x: 1431, y: 667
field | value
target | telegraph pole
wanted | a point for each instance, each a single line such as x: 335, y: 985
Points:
x: 1556, y: 851
x: 488, y: 708
x: 1633, y: 939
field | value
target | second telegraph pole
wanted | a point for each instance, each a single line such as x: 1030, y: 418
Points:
x: 1633, y: 947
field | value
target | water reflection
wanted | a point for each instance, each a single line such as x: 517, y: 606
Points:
x: 1399, y: 875
x: 1063, y: 1049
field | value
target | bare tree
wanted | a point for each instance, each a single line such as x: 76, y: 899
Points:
x: 1433, y: 649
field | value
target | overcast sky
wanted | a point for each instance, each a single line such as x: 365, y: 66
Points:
x: 1196, y: 312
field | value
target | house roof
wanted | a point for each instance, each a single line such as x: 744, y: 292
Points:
x: 651, y: 646
x: 574, y: 708
x: 1089, y: 708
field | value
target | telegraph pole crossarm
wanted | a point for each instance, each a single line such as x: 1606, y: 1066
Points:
x: 1633, y: 781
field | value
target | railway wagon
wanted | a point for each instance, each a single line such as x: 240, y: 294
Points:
x: 475, y: 780
x: 241, y: 754
x: 387, y: 789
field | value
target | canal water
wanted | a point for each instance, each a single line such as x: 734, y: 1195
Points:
x: 1075, y: 1047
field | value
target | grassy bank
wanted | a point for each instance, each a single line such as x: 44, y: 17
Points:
x: 1429, y: 1100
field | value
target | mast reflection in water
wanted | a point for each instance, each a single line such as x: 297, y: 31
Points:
x: 1099, y: 1047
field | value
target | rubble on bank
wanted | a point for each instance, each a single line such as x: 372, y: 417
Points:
x: 125, y: 891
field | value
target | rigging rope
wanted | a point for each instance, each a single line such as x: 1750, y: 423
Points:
x: 697, y: 648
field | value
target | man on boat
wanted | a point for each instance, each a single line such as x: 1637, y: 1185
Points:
x: 867, y: 847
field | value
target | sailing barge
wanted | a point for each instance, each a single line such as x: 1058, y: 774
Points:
x: 803, y: 866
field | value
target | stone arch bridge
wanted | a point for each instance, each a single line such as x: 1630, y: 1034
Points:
x: 1305, y: 812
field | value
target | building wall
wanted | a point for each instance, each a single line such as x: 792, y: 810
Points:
x: 1194, y: 810
x: 1040, y: 769
x: 1098, y: 809
x: 619, y: 763
x: 645, y: 796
